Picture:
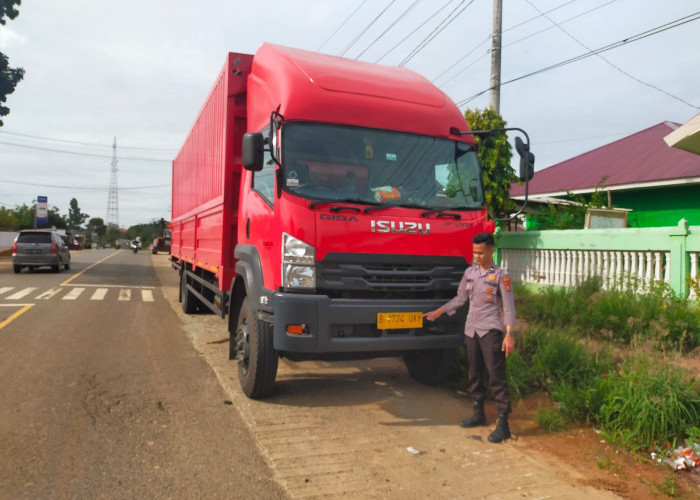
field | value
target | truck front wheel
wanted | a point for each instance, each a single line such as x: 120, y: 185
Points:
x: 257, y: 358
x: 430, y: 366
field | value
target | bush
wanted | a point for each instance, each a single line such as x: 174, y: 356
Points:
x: 550, y: 421
x: 647, y: 407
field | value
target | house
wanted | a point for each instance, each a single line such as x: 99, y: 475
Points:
x: 659, y: 184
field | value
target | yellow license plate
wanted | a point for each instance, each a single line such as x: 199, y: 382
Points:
x: 389, y: 321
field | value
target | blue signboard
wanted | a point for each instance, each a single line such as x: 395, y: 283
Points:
x: 42, y: 211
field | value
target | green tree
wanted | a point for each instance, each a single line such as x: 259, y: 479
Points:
x: 9, y: 77
x: 494, y: 153
x: 56, y: 219
x: 76, y: 218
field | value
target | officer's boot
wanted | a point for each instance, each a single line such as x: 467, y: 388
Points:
x: 502, y: 431
x: 478, y: 418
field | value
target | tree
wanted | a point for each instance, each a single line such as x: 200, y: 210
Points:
x: 568, y: 216
x: 9, y: 77
x: 75, y: 217
x: 494, y: 153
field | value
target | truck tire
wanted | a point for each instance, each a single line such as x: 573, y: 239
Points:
x: 190, y: 303
x: 257, y: 358
x: 431, y: 366
x: 17, y: 269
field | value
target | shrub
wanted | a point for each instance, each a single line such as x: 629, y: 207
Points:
x: 550, y: 421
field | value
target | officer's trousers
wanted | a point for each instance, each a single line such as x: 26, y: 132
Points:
x: 485, y: 352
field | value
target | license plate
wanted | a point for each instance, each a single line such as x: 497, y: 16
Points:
x: 34, y: 251
x: 390, y: 321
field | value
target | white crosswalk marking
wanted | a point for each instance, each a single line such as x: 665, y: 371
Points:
x: 48, y: 293
x: 73, y: 294
x: 125, y: 294
x: 99, y: 294
x: 147, y: 295
x: 4, y: 289
x: 20, y: 294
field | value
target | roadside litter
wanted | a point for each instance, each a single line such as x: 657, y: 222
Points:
x: 412, y: 450
x: 681, y: 458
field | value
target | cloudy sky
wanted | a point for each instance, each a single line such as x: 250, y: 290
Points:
x: 140, y: 70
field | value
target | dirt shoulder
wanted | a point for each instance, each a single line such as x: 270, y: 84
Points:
x: 342, y: 430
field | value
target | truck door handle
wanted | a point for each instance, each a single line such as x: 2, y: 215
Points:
x: 247, y: 228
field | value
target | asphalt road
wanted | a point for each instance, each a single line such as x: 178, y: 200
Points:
x: 102, y: 395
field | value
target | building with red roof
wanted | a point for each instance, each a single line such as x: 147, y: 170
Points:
x: 658, y: 183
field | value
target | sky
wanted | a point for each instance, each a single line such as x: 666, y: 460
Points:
x: 140, y: 71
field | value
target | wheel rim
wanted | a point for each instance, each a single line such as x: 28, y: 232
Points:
x: 243, y: 346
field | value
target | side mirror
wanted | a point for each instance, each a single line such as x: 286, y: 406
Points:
x: 253, y: 151
x: 527, y: 160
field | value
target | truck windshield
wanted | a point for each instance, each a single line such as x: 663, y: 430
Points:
x: 331, y: 162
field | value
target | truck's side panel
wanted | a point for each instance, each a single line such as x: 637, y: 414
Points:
x: 206, y: 175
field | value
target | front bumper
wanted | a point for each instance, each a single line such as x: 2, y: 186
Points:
x: 350, y: 325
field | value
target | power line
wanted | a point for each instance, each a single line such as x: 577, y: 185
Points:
x: 440, y: 27
x: 638, y: 80
x: 634, y: 38
x: 516, y: 41
x: 85, y: 188
x: 79, y: 153
x: 87, y: 143
x: 354, y: 40
x: 341, y: 25
x: 409, y: 9
x: 451, y: 66
x: 414, y: 31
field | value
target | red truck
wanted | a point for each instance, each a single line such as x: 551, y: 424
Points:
x: 323, y: 204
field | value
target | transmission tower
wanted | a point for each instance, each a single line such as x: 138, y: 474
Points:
x: 113, y: 200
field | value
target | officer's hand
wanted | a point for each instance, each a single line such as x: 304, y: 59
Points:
x: 508, y: 345
x: 433, y: 315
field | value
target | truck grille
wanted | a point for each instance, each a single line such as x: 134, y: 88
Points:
x: 389, y: 276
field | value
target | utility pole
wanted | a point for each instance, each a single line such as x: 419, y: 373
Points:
x: 113, y: 200
x: 495, y: 95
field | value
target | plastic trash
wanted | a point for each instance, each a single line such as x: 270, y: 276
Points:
x: 412, y: 450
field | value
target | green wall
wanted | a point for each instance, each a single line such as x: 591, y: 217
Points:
x: 659, y: 207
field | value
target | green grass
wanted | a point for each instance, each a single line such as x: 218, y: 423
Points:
x: 550, y: 421
x: 614, y: 315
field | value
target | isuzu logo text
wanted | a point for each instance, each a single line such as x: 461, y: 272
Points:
x: 385, y: 226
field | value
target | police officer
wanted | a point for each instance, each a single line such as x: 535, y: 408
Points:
x: 487, y: 287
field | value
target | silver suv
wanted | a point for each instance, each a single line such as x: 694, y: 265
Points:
x: 38, y: 248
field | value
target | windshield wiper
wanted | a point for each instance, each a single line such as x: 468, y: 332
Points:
x: 442, y: 212
x: 393, y: 205
x: 358, y: 201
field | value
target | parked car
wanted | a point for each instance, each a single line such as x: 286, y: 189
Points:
x: 40, y: 248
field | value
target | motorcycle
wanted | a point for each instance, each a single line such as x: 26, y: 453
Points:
x: 135, y: 246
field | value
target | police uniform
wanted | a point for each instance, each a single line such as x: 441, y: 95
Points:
x: 487, y: 292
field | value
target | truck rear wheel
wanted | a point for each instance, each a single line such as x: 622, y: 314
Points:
x: 190, y: 303
x: 257, y: 358
x: 431, y: 366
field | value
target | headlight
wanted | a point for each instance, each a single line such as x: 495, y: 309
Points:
x: 298, y: 259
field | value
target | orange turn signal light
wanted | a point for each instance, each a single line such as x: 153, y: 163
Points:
x: 297, y: 329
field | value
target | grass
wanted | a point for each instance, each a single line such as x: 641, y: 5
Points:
x: 618, y: 316
x: 550, y: 421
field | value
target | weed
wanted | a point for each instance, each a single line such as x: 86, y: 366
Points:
x: 668, y: 487
x: 645, y: 407
x: 608, y: 464
x: 550, y: 421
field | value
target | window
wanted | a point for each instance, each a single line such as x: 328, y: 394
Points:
x: 34, y: 238
x: 264, y: 181
x: 332, y: 162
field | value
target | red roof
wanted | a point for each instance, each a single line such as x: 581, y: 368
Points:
x: 640, y: 158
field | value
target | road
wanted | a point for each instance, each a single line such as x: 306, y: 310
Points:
x: 109, y: 391
x: 103, y: 396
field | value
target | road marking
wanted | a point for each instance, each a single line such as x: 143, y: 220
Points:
x: 48, y: 293
x: 15, y: 315
x: 20, y: 294
x: 90, y: 267
x: 5, y: 289
x: 73, y: 294
x: 125, y: 294
x: 107, y: 286
x: 99, y: 294
x: 147, y: 295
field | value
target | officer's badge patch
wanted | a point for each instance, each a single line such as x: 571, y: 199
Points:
x: 506, y: 284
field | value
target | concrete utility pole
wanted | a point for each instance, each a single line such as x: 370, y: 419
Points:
x: 495, y: 100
